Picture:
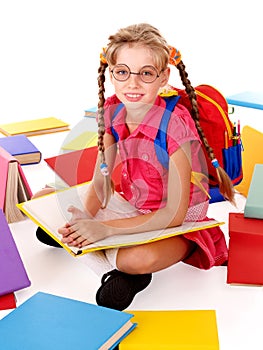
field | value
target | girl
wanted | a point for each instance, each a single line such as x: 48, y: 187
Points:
x: 137, y: 58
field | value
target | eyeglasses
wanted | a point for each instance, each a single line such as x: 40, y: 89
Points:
x: 148, y: 74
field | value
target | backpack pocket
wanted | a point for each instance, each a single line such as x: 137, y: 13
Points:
x: 233, y: 163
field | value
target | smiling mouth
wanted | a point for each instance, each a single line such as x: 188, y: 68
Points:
x: 133, y: 95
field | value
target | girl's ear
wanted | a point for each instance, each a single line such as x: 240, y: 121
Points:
x: 165, y: 76
x: 110, y: 75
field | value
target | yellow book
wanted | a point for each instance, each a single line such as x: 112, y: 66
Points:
x: 50, y: 212
x: 173, y: 329
x: 252, y: 141
x: 34, y: 127
x: 84, y: 140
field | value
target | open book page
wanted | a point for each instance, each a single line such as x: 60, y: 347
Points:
x: 12, y: 196
x: 51, y: 212
x: 22, y: 190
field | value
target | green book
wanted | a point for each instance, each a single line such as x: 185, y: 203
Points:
x: 254, y: 202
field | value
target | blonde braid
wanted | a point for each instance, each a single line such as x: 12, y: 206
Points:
x: 225, y: 183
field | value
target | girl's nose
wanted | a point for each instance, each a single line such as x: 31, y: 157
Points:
x: 134, y: 79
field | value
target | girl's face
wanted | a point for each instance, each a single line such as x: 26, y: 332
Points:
x: 134, y: 90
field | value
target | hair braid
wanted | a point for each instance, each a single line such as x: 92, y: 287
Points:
x: 101, y: 131
x: 225, y: 184
x: 195, y: 112
x: 101, y: 125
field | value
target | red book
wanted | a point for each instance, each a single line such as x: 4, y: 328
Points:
x: 7, y: 301
x: 245, y: 264
x: 77, y: 167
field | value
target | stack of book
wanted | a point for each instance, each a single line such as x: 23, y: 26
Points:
x: 15, y: 150
x: 21, y: 148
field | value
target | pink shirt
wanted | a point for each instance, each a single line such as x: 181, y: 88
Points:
x: 143, y: 178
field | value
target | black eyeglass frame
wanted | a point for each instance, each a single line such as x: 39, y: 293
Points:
x: 139, y: 73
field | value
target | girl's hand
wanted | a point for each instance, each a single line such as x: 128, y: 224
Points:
x: 77, y: 213
x: 81, y: 230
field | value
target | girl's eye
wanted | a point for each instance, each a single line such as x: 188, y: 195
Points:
x: 123, y: 72
x: 148, y: 72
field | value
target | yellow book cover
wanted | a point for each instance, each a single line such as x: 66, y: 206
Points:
x: 34, y: 127
x: 84, y: 140
x: 252, y: 141
x: 51, y: 212
x: 173, y: 329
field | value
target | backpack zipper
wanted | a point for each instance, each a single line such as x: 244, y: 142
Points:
x: 228, y: 123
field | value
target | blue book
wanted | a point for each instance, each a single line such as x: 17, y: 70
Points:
x: 91, y: 112
x: 247, y: 99
x: 254, y: 202
x: 46, y: 321
x: 21, y: 148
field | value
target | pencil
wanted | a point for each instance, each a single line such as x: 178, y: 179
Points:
x: 226, y: 140
x: 234, y: 137
x: 238, y: 127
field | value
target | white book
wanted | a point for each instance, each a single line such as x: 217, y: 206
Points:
x: 50, y: 212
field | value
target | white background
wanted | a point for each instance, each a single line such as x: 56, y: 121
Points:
x: 50, y: 48
x: 48, y: 67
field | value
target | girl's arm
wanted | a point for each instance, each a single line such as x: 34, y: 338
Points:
x: 94, y: 195
x: 83, y: 232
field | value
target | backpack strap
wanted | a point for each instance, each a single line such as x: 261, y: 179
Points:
x: 117, y: 110
x: 160, y: 142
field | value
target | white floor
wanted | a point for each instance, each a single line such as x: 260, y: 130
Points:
x: 238, y: 308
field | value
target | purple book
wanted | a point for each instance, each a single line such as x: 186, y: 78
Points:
x: 13, y: 275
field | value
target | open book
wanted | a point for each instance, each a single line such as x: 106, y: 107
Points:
x: 14, y: 187
x: 51, y: 212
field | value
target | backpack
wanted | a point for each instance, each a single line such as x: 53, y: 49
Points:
x: 218, y: 129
